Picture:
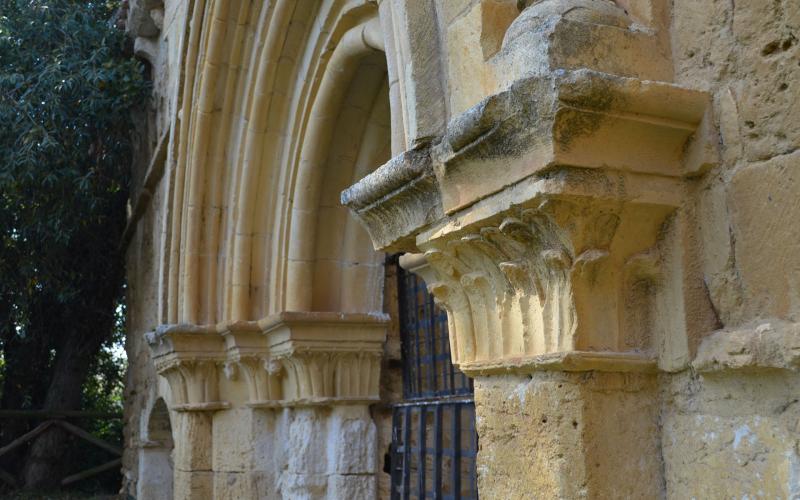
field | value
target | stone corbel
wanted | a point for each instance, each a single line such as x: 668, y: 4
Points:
x: 189, y: 358
x: 327, y: 358
x: 248, y: 358
x: 397, y: 199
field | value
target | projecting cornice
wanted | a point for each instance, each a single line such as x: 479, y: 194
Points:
x: 576, y: 119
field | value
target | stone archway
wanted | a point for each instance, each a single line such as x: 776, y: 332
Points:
x: 266, y: 269
x: 155, y: 455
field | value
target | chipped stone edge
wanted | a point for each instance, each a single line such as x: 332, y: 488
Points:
x: 574, y: 361
x: 773, y: 345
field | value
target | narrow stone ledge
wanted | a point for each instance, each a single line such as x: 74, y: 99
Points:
x: 140, y: 198
x: 315, y: 402
x: 766, y: 346
x: 324, y: 332
x: 189, y: 407
x: 574, y: 361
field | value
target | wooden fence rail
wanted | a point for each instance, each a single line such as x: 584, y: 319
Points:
x: 56, y: 419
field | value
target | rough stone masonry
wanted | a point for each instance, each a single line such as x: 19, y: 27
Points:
x: 603, y: 196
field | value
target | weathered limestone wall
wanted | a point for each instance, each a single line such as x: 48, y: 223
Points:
x: 732, y: 433
x: 141, y: 386
x: 733, y: 428
x: 546, y: 422
x: 147, y: 464
x: 724, y: 430
x: 324, y: 453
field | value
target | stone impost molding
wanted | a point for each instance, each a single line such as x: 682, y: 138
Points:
x: 288, y: 359
x: 189, y: 358
x: 551, y: 200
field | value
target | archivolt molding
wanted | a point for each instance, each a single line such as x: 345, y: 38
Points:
x: 257, y: 146
x: 288, y: 359
x: 282, y: 104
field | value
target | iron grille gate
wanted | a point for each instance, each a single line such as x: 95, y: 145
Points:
x: 434, y: 443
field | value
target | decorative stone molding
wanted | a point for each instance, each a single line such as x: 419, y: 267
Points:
x: 248, y: 357
x: 327, y: 357
x: 188, y: 357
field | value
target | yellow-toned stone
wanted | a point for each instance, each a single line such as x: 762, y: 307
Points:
x: 606, y: 193
x: 574, y: 430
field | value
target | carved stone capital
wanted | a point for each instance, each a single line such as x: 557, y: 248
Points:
x: 555, y: 196
x: 558, y: 275
x: 287, y: 359
x: 248, y: 358
x: 189, y: 358
x: 327, y: 357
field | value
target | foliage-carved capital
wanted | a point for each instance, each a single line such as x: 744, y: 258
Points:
x: 327, y: 357
x: 248, y: 358
x: 565, y: 282
x: 189, y: 358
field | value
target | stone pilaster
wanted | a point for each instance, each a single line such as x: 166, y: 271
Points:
x: 192, y: 456
x: 330, y: 370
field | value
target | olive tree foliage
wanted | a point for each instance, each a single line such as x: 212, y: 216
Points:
x: 67, y: 90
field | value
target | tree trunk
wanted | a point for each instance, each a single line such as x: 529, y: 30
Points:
x: 47, y: 457
x: 22, y: 380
